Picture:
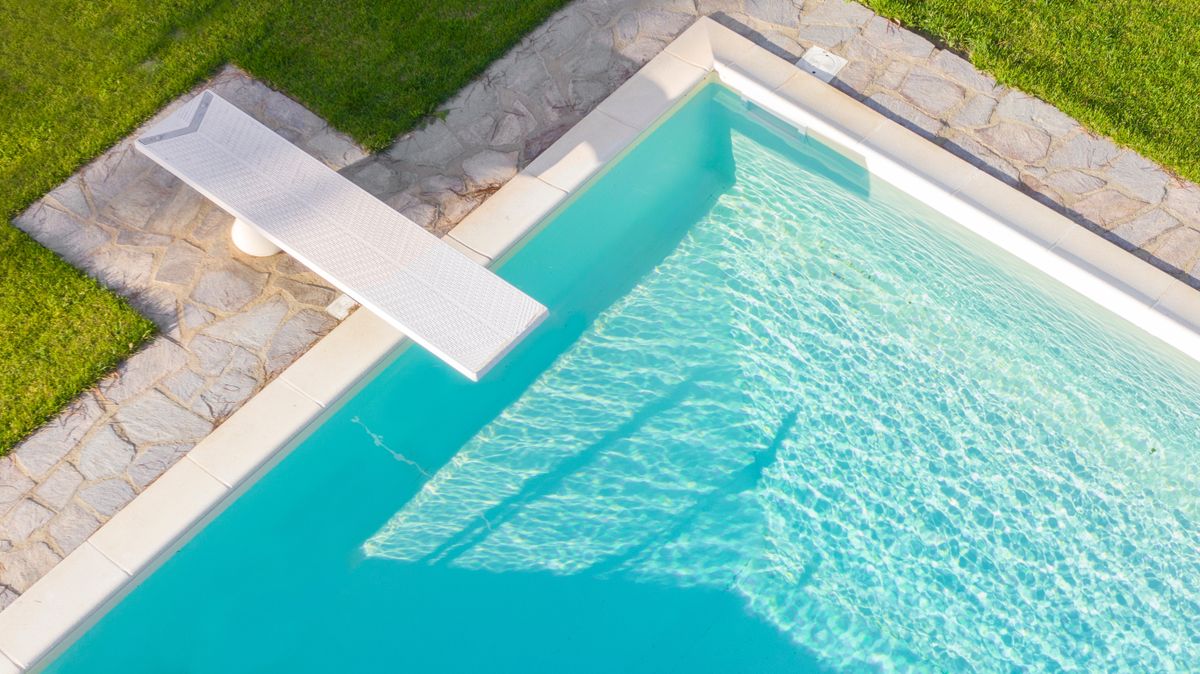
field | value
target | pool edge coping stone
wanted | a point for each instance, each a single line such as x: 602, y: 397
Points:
x: 54, y: 611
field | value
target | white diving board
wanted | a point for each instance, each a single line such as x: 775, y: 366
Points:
x: 455, y: 308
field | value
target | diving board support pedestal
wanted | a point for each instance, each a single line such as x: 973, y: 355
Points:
x: 250, y: 241
x: 284, y: 199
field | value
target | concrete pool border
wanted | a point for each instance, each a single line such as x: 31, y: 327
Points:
x: 124, y: 551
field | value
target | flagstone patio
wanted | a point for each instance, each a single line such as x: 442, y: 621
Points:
x: 230, y: 323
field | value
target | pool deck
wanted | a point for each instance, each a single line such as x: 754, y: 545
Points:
x: 232, y: 323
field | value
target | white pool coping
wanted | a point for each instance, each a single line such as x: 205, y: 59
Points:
x: 75, y: 593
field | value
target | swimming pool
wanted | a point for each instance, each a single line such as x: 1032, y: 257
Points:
x: 782, y: 418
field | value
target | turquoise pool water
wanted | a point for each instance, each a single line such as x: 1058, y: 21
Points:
x: 781, y: 418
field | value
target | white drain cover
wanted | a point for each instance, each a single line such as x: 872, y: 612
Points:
x: 821, y: 63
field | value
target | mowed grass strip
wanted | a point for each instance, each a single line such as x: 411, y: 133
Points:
x: 41, y: 368
x: 1128, y: 69
x: 78, y: 76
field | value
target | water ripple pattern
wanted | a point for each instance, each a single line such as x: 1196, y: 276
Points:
x: 904, y: 452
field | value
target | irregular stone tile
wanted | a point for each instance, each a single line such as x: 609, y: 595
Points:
x: 402, y: 200
x: 246, y: 362
x: 474, y: 129
x: 104, y: 455
x: 638, y: 53
x: 972, y: 151
x: 589, y: 61
x: 62, y: 233
x: 122, y: 269
x: 826, y: 36
x: 893, y: 75
x: 1139, y: 176
x: 25, y: 518
x: 286, y: 264
x: 1083, y: 151
x: 511, y: 128
x: 227, y: 393
x: 159, y: 305
x: 307, y: 293
x: 229, y: 288
x: 453, y: 208
x: 295, y: 337
x: 247, y: 94
x: 1146, y: 228
x: 154, y: 418
x: 153, y: 461
x: 41, y: 451
x: 71, y: 198
x: 784, y: 45
x: 143, y: 369
x: 14, y: 484
x: 253, y: 328
x: 1074, y: 182
x: 890, y: 37
x: 441, y: 184
x: 778, y: 12
x: 626, y: 27
x: 434, y: 146
x: 140, y: 239
x: 7, y: 596
x: 960, y: 70
x: 1020, y: 107
x: 281, y: 111
x: 180, y: 211
x: 25, y: 565
x: 1107, y: 207
x: 212, y: 228
x: 116, y: 171
x: 212, y: 355
x: 706, y: 7
x: 107, y: 497
x: 930, y: 91
x: 133, y: 206
x: 1179, y: 248
x: 334, y: 149
x: 179, y: 264
x: 838, y: 13
x: 373, y: 177
x: 193, y: 317
x: 856, y: 76
x: 1016, y: 141
x: 662, y: 24
x: 976, y: 112
x: 489, y: 168
x: 421, y: 213
x: 72, y: 527
x: 58, y: 489
x: 905, y: 113
x: 562, y: 32
x: 858, y: 48
x: 588, y: 93
x: 184, y: 385
x: 1185, y: 201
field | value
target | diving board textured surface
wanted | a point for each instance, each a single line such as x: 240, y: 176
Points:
x: 458, y: 310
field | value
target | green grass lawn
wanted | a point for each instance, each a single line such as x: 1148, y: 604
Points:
x: 77, y: 76
x: 1128, y: 69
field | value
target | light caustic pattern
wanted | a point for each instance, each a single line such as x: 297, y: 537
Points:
x: 903, y: 454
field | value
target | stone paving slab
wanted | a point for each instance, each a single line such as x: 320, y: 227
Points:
x: 230, y: 323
